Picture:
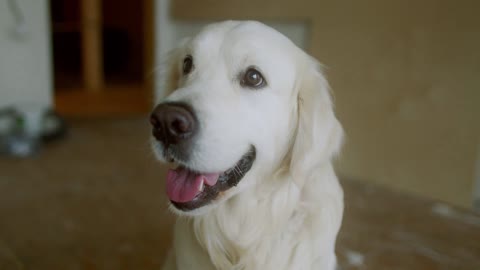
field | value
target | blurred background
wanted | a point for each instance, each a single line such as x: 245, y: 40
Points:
x: 80, y: 189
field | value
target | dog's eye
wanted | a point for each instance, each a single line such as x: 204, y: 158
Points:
x: 253, y: 79
x: 187, y: 64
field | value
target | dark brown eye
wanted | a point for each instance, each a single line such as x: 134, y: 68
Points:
x: 253, y: 79
x: 187, y: 64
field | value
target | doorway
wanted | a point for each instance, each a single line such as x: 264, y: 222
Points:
x: 102, y: 56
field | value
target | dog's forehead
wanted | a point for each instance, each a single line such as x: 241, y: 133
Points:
x: 234, y: 37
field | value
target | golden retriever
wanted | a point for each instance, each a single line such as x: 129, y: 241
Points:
x: 248, y: 126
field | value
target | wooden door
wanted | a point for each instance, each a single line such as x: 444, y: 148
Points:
x: 103, y: 56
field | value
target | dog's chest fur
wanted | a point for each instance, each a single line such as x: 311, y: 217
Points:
x: 277, y: 232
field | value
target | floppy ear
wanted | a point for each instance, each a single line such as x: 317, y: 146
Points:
x: 319, y: 134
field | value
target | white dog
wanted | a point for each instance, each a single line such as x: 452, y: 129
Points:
x: 248, y: 122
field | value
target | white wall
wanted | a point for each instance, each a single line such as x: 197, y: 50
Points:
x: 168, y: 32
x: 25, y: 60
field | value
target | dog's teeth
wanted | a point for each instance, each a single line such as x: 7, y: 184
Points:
x: 202, y: 186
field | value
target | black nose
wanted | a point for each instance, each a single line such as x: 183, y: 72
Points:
x: 173, y: 123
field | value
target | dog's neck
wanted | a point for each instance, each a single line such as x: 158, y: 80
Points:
x: 243, y: 221
x: 249, y: 226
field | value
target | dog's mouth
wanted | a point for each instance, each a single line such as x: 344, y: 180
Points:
x: 189, y: 190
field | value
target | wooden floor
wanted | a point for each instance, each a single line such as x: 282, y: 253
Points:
x: 96, y: 201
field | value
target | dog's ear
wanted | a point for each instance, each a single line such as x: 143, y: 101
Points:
x: 319, y: 134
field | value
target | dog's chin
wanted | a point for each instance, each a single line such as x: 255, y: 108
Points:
x: 213, y: 192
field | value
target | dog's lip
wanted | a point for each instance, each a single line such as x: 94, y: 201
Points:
x: 226, y: 180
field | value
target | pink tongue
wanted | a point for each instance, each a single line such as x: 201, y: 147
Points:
x: 183, y: 185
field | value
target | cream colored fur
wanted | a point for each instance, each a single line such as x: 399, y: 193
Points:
x: 287, y: 210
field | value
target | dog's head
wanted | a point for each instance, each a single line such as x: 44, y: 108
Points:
x: 241, y: 100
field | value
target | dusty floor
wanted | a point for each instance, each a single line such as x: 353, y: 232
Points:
x: 96, y: 201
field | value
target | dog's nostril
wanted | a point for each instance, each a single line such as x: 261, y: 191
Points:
x: 157, y: 130
x: 154, y: 121
x: 180, y: 126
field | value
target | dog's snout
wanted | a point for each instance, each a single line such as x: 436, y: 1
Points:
x: 173, y: 123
